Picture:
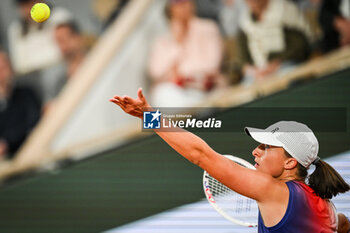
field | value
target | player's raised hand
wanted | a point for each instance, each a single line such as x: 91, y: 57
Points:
x: 134, y: 107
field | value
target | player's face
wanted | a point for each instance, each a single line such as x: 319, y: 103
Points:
x: 269, y: 159
x: 66, y: 41
x: 182, y: 11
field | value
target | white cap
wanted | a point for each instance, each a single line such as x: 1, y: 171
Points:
x: 296, y: 138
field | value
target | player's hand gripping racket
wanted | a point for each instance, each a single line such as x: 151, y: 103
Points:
x: 231, y: 205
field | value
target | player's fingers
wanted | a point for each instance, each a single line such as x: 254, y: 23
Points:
x: 140, y: 95
x: 120, y: 103
x: 124, y: 99
x: 123, y: 107
x: 117, y: 97
x: 127, y: 99
x: 120, y: 99
x: 115, y: 101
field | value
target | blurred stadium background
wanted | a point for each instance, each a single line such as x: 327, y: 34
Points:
x: 87, y: 167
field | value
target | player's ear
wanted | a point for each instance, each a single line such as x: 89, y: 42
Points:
x: 290, y: 163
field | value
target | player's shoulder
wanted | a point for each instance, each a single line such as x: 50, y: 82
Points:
x: 274, y: 195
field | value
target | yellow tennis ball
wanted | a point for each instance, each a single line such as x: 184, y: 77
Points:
x: 40, y: 12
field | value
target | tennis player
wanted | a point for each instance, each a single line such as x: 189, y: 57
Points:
x: 286, y: 151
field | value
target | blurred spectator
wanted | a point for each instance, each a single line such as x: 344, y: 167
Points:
x: 71, y: 43
x: 184, y: 63
x: 72, y: 47
x: 335, y: 23
x: 19, y: 110
x: 32, y: 46
x: 229, y: 16
x: 311, y: 10
x: 275, y: 37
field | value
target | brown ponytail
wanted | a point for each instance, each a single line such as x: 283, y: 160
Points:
x: 326, y: 181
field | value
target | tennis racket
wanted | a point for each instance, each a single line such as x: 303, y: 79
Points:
x: 231, y: 205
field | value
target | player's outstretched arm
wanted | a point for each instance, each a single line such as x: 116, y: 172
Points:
x: 253, y: 184
x: 187, y: 144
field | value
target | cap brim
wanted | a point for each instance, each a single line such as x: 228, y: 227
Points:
x: 262, y: 136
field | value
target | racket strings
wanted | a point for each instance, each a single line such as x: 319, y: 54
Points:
x: 233, y: 203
